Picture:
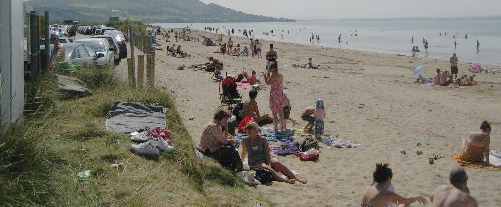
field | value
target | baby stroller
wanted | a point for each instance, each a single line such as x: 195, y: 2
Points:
x: 229, y: 95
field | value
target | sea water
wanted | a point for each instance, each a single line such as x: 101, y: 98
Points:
x: 384, y: 36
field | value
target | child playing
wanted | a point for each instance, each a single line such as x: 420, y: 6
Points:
x: 319, y: 116
x: 287, y: 111
x: 308, y: 117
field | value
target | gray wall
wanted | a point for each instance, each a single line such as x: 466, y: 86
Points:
x: 11, y: 62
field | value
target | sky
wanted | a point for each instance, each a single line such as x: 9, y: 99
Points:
x: 336, y: 9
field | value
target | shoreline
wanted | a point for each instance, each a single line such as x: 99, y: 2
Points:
x: 386, y: 41
x: 371, y: 99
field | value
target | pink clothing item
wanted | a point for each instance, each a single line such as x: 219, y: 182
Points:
x: 278, y: 99
x: 252, y: 80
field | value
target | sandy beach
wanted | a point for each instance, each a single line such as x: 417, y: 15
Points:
x: 371, y: 99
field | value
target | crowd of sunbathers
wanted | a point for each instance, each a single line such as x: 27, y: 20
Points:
x: 445, y: 78
x: 217, y: 143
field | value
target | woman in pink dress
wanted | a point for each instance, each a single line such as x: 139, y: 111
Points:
x: 278, y: 99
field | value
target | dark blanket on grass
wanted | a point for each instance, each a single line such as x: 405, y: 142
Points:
x: 130, y: 117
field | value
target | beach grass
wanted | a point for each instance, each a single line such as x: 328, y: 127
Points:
x: 40, y: 160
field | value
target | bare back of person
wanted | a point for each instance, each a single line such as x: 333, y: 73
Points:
x: 378, y: 196
x: 450, y: 196
x: 475, y: 147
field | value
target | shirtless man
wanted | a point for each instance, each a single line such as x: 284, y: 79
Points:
x: 454, y: 65
x: 475, y: 148
x: 454, y: 194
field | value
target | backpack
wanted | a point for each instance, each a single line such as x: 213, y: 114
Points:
x: 309, y: 143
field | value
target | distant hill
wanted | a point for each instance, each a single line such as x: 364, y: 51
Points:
x: 145, y: 10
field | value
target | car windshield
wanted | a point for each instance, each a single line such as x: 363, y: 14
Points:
x: 98, y: 46
x: 68, y: 48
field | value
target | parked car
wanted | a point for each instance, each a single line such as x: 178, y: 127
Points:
x: 65, y: 40
x: 101, y: 46
x: 81, y: 55
x: 115, y: 44
x: 119, y: 38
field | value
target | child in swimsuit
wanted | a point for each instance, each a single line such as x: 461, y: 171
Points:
x: 319, y: 118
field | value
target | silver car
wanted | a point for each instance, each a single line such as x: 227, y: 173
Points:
x: 81, y: 55
x: 101, y: 46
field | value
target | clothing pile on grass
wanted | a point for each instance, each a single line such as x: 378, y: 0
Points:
x: 151, y: 142
x: 146, y: 125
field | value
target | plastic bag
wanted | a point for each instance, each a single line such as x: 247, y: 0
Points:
x: 311, y: 155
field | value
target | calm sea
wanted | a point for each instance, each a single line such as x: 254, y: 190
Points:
x: 384, y: 36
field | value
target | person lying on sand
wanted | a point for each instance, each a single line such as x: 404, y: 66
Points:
x: 211, y: 66
x: 256, y: 149
x: 308, y: 65
x: 475, y: 148
x: 454, y: 194
x: 382, y: 193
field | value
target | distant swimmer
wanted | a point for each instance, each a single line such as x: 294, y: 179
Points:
x: 339, y: 38
x: 412, y: 40
x: 455, y: 44
x: 478, y: 46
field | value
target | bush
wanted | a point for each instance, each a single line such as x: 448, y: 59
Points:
x: 95, y: 78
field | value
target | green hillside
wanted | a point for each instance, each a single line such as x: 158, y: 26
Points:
x: 145, y: 10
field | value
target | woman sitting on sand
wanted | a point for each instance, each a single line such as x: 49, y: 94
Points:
x: 278, y: 99
x: 381, y: 192
x: 256, y: 149
x: 475, y: 148
x: 216, y: 143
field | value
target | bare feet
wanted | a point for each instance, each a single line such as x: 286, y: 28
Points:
x: 303, y: 181
x: 290, y: 181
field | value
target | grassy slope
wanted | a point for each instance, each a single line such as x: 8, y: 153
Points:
x: 69, y: 137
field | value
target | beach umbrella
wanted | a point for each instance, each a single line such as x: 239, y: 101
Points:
x: 475, y: 68
x: 417, y: 70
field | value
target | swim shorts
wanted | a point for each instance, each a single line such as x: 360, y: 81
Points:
x: 454, y: 70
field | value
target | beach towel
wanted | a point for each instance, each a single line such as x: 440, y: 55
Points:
x: 339, y: 143
x: 495, y: 164
x: 243, y: 86
x: 278, y: 137
x: 288, y: 147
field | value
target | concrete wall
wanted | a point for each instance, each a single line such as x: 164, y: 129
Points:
x: 11, y: 62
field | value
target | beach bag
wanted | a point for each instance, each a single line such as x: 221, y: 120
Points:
x: 264, y: 176
x: 310, y: 155
x: 309, y: 143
